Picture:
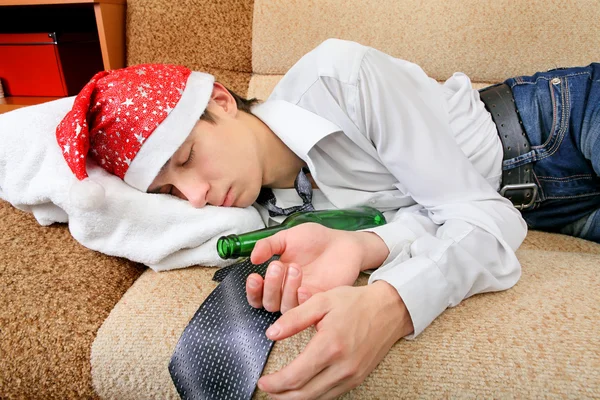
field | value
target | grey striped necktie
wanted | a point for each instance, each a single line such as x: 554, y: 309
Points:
x: 223, y: 350
x: 303, y: 187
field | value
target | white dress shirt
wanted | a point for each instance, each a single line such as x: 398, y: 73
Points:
x: 375, y: 130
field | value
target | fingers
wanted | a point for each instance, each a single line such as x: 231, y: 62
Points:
x: 299, y: 374
x: 299, y: 318
x: 266, y: 292
x: 278, y: 291
x: 254, y: 290
x: 293, y: 279
x: 268, y: 247
x: 318, y: 354
x: 273, y: 285
x: 328, y: 384
x: 309, y: 364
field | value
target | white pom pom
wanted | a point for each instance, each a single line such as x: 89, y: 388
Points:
x: 87, y: 194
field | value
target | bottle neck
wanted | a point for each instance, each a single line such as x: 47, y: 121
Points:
x: 235, y: 246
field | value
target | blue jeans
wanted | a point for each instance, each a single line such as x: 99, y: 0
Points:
x: 560, y: 110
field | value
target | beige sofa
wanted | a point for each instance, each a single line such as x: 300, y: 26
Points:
x: 78, y: 324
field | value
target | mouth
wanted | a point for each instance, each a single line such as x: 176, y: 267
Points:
x: 229, y: 199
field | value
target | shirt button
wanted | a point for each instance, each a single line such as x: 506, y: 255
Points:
x: 555, y: 81
x: 372, y: 201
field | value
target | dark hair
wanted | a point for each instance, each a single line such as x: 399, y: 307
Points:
x: 242, y: 105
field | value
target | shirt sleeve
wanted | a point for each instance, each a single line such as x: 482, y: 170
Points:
x: 461, y: 237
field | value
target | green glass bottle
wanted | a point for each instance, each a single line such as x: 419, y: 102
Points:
x: 349, y: 219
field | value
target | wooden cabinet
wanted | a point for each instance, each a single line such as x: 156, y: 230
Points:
x: 106, y: 17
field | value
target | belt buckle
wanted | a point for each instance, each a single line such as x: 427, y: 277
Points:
x: 522, y: 186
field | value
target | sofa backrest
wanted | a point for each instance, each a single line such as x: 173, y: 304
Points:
x: 254, y: 42
x: 204, y: 35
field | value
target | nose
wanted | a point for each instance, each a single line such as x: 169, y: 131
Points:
x: 194, y: 192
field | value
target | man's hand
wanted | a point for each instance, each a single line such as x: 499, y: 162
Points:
x: 313, y: 259
x: 356, y: 327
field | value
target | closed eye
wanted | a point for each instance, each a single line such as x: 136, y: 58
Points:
x: 190, y: 157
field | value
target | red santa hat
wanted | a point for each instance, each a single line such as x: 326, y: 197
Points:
x: 130, y: 121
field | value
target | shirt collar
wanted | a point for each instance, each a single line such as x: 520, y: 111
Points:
x: 298, y: 128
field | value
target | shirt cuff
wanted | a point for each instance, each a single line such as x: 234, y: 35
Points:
x: 421, y: 285
x: 397, y: 238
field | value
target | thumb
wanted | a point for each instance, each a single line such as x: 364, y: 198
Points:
x: 268, y: 247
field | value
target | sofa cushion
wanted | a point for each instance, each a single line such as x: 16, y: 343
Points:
x: 54, y: 295
x: 537, y: 339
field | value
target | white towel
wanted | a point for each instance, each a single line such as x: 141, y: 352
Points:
x: 160, y: 231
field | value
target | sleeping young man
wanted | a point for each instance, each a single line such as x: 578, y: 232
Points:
x: 458, y: 184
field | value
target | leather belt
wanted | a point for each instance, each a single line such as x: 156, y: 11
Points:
x: 518, y: 184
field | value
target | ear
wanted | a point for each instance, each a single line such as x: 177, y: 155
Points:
x: 223, y: 99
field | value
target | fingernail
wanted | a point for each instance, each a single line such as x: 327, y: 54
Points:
x: 252, y: 283
x: 274, y: 270
x: 273, y: 331
x: 293, y: 272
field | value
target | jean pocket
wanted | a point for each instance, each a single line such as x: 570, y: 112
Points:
x: 557, y: 89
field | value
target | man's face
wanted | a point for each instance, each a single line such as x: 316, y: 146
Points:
x: 218, y: 164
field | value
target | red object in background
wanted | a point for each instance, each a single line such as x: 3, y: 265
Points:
x: 46, y: 64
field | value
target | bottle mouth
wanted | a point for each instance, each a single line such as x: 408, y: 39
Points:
x: 223, y: 247
x: 226, y: 246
